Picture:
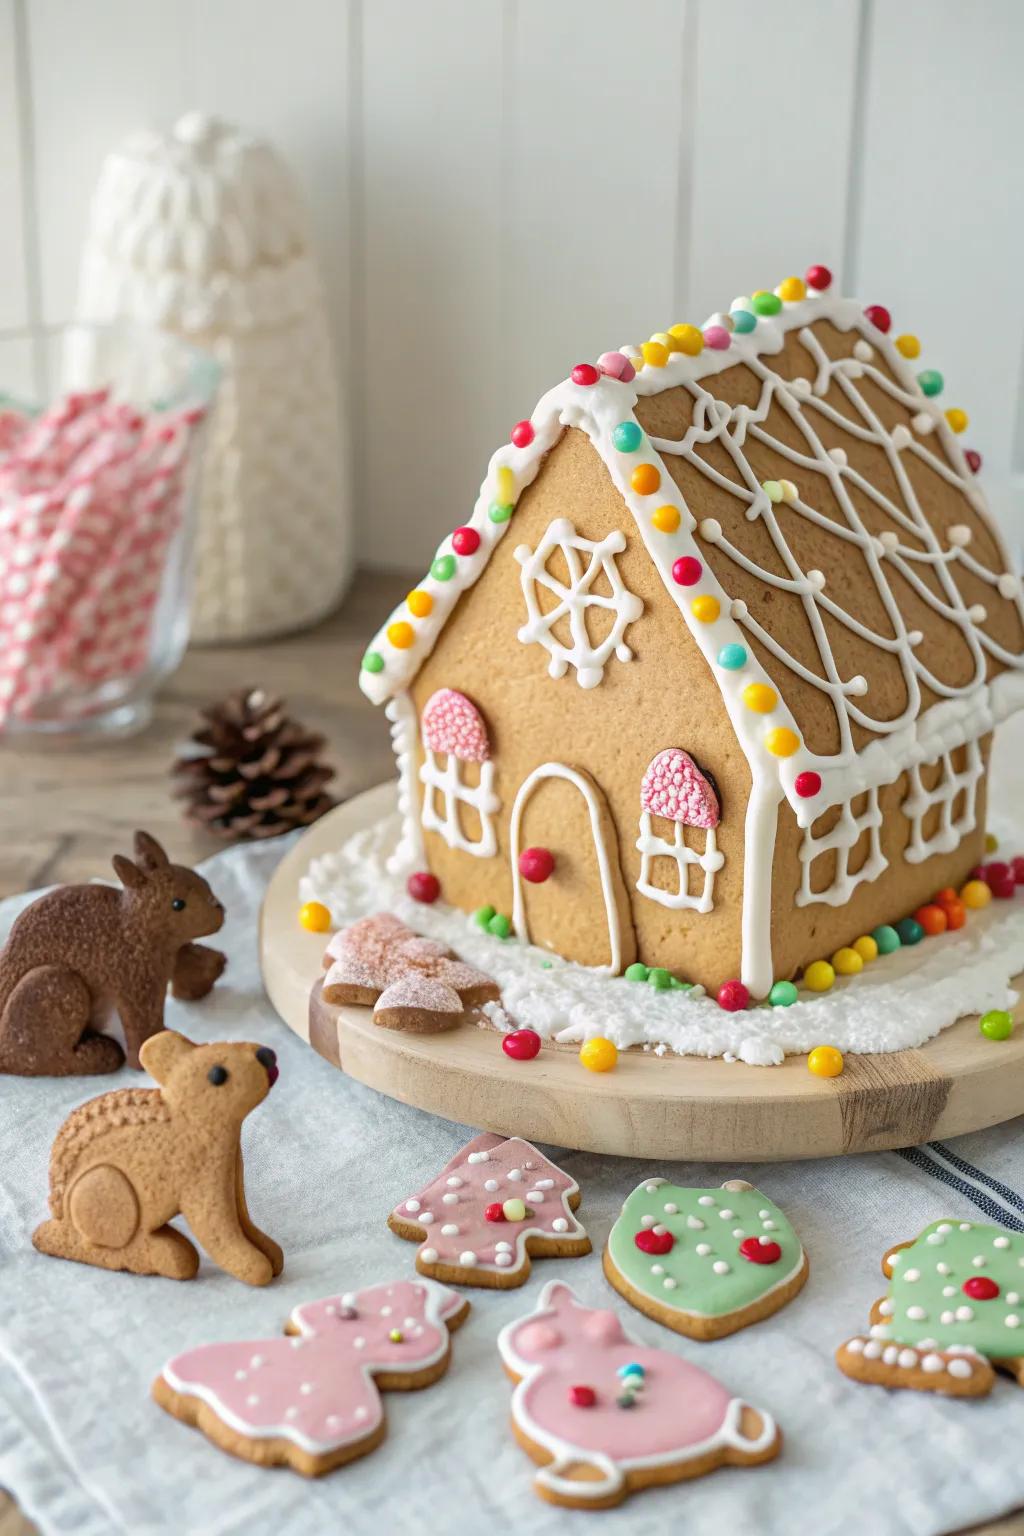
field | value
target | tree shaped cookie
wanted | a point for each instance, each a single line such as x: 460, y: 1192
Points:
x: 606, y: 1416
x: 704, y: 1262
x: 412, y: 983
x: 953, y: 1314
x: 496, y: 1204
x: 312, y: 1401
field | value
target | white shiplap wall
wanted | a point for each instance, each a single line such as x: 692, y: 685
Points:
x: 502, y: 187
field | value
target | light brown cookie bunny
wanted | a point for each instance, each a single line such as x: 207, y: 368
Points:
x: 125, y: 1164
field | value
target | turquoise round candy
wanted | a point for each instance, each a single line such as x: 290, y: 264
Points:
x: 637, y: 971
x: 931, y: 381
x: 660, y: 979
x: 909, y: 930
x: 632, y: 1369
x: 783, y: 994
x: 766, y: 303
x: 482, y: 916
x: 443, y: 568
x: 500, y: 926
x: 997, y: 1024
x: 743, y: 321
x: 886, y: 938
x: 732, y: 657
x: 499, y: 511
x: 627, y: 437
x: 373, y: 662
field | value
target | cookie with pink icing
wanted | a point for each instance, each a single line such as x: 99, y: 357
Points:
x: 311, y: 1400
x: 496, y: 1205
x: 605, y: 1416
x: 412, y: 983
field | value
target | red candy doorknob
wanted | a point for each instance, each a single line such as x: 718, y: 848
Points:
x: 536, y: 865
x: 757, y: 1252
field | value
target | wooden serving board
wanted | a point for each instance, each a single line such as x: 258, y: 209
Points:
x: 662, y: 1108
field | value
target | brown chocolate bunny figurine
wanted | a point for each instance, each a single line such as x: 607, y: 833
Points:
x: 82, y: 950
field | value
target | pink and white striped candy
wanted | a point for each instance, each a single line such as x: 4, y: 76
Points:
x: 453, y: 726
x: 675, y: 788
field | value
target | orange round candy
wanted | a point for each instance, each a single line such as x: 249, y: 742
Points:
x: 932, y: 919
x: 946, y: 896
x: 956, y: 914
x: 645, y: 479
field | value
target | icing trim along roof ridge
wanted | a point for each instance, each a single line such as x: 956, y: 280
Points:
x: 601, y: 400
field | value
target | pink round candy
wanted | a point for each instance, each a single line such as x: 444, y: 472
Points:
x: 522, y: 434
x: 617, y: 366
x: 717, y: 338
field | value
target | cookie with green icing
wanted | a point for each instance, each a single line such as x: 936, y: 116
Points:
x: 704, y: 1262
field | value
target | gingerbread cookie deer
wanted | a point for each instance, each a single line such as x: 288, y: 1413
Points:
x: 81, y: 950
x: 123, y: 1165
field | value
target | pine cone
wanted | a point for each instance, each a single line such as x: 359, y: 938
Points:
x: 253, y: 773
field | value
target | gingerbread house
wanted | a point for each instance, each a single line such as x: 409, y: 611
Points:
x: 710, y: 676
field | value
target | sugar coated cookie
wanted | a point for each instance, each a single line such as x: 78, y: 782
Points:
x: 952, y: 1316
x: 605, y: 1416
x: 704, y: 1262
x: 496, y: 1205
x: 312, y: 1401
x: 411, y: 983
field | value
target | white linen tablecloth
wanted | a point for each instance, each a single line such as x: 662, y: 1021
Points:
x: 85, y: 1450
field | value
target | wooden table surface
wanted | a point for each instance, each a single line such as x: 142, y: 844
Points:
x: 65, y: 809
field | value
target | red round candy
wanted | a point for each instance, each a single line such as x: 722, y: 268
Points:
x: 973, y: 458
x: 757, y: 1252
x: 521, y: 1044
x: 1002, y: 889
x: 649, y: 1241
x: 536, y: 865
x: 997, y: 870
x: 465, y: 541
x: 807, y: 784
x: 733, y: 996
x: 522, y: 434
x: 582, y: 1397
x: 818, y: 277
x: 1018, y: 870
x: 980, y: 1288
x: 423, y: 886
x: 879, y: 316
x: 494, y: 1212
x: 585, y: 373
x: 686, y: 571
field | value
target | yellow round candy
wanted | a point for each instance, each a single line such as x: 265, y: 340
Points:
x: 401, y: 635
x: 866, y: 948
x: 847, y: 962
x: 419, y: 604
x: 706, y: 609
x: 792, y: 289
x: 975, y: 894
x: 315, y: 917
x: 991, y: 842
x: 782, y: 742
x: 654, y: 353
x: 665, y: 519
x: 958, y: 421
x: 760, y: 698
x: 908, y: 346
x: 825, y: 1061
x: 688, y: 339
x: 599, y: 1054
x: 819, y: 976
x: 506, y: 482
x: 663, y: 339
x: 789, y: 491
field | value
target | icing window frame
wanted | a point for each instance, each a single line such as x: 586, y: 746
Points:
x: 675, y: 789
x: 952, y: 782
x: 841, y: 840
x: 453, y: 734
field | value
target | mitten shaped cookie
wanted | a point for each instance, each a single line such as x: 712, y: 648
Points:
x: 412, y: 983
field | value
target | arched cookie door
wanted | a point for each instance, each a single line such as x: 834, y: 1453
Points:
x: 581, y: 911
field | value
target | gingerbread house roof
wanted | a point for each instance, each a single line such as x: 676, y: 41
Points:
x: 805, y: 501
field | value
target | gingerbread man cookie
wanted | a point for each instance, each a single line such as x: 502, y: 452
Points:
x: 496, y: 1204
x: 953, y: 1314
x: 704, y: 1262
x: 605, y: 1416
x: 312, y: 1401
x: 412, y: 983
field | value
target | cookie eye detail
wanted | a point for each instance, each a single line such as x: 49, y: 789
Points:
x: 218, y: 1075
x: 178, y: 905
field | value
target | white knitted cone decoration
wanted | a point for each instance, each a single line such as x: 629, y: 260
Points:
x: 203, y: 234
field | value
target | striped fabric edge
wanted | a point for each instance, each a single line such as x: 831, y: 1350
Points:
x: 998, y: 1201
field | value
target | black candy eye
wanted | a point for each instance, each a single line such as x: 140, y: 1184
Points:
x: 217, y: 1075
x: 178, y: 905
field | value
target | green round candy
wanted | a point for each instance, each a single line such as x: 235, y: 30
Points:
x: 500, y: 926
x: 443, y: 568
x: 909, y: 930
x: 997, y: 1024
x: 627, y: 436
x: 373, y: 662
x: 546, y: 965
x: 482, y: 916
x: 782, y: 994
x: 660, y: 978
x: 766, y: 303
x: 931, y: 381
x: 681, y: 986
x: 499, y: 511
x: 637, y: 971
x: 886, y: 938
